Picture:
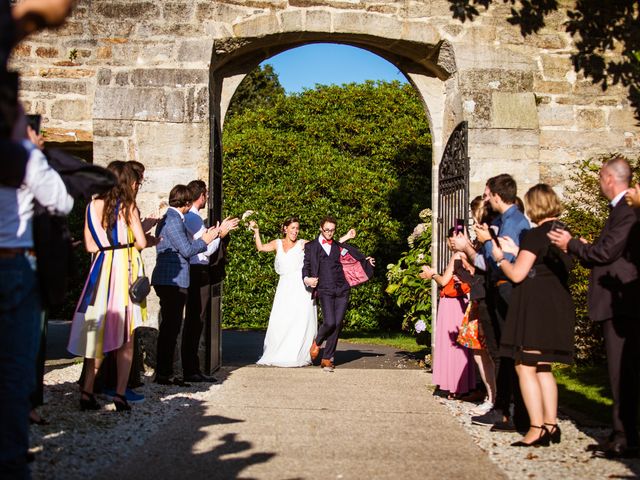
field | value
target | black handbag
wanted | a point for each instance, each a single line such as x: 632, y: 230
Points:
x: 139, y: 289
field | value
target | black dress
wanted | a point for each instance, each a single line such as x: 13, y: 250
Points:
x: 541, y: 314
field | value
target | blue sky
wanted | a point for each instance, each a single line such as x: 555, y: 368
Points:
x: 327, y: 64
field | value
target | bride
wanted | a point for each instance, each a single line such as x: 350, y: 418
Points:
x: 293, y: 322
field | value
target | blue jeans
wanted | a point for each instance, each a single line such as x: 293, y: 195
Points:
x: 19, y: 339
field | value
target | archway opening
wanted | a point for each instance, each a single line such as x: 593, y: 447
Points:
x: 358, y: 151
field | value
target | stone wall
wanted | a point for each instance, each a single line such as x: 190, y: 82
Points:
x: 141, y: 79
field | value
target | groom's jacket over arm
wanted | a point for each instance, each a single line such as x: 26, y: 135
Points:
x: 313, y: 252
x: 613, y: 257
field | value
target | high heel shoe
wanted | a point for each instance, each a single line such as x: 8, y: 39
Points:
x: 120, y: 401
x: 88, y: 403
x: 554, y: 432
x: 542, y: 441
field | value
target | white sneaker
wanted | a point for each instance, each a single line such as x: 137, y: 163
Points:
x: 483, y: 408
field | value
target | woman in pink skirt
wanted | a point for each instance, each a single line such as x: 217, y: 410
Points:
x: 453, y: 367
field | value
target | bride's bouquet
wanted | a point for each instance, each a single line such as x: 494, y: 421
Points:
x: 249, y: 222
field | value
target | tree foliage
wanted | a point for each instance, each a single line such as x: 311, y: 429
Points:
x: 360, y: 152
x: 599, y: 28
x: 260, y: 88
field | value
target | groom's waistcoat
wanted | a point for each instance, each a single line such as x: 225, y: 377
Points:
x: 330, y: 273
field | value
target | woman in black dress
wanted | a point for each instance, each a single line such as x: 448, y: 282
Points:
x: 540, y: 322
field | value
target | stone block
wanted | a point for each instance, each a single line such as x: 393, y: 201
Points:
x: 497, y: 136
x: 104, y: 53
x: 143, y: 54
x: 168, y: 77
x: 290, y: 20
x: 574, y: 100
x: 552, y: 87
x: 66, y: 73
x: 513, y: 110
x: 70, y: 28
x: 383, y: 8
x: 470, y: 57
x: 120, y: 103
x: 587, y: 88
x: 122, y: 79
x: 129, y: 10
x: 555, y: 67
x: 589, y: 119
x: 502, y: 80
x: 317, y: 21
x: 112, y: 128
x: 58, y: 87
x: 622, y: 119
x: 178, y: 145
x: 175, y: 106
x: 198, y: 104
x: 71, y: 110
x: 196, y: 51
x: 47, y: 52
x: 257, y: 26
x: 556, y: 115
x: 480, y: 34
x: 415, y: 31
x: 108, y: 149
x: 103, y: 28
x: 584, y: 142
x: 177, y: 12
x: 21, y: 50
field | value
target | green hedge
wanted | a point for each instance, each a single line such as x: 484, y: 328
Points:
x: 359, y: 152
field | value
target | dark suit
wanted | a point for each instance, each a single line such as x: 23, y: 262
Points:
x: 332, y: 291
x: 613, y: 299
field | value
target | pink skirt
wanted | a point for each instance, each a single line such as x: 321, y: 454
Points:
x: 453, y: 367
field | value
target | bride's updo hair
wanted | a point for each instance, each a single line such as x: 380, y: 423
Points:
x: 288, y: 221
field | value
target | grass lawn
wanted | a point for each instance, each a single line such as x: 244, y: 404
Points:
x: 584, y: 390
x: 401, y: 341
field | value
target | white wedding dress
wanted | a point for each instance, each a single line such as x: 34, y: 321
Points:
x: 293, y: 322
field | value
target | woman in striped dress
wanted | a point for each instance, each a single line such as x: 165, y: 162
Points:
x: 106, y: 317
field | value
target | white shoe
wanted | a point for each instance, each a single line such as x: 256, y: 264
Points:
x: 483, y: 408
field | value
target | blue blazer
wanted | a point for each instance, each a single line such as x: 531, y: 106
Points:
x: 175, y: 248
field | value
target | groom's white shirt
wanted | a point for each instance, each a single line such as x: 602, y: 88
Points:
x: 325, y: 246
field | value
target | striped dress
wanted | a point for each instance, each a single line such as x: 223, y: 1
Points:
x: 106, y: 317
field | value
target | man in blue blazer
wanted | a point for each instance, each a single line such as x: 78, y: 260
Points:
x: 170, y: 277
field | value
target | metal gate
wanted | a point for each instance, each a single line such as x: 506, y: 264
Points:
x: 453, y: 189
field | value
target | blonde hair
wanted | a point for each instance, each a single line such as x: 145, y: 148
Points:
x: 542, y: 202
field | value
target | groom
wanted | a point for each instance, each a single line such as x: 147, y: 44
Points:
x: 322, y: 271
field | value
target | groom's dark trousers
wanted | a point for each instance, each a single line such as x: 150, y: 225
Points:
x: 332, y: 292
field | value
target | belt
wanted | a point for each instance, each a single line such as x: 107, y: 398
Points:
x: 15, y: 252
x: 501, y: 282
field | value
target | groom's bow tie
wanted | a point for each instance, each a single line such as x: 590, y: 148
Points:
x: 324, y: 240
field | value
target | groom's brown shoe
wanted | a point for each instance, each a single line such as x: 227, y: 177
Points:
x: 314, y: 351
x: 327, y: 365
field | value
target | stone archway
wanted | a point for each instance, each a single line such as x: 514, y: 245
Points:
x: 427, y: 66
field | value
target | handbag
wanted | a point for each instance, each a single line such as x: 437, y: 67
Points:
x: 140, y: 287
x: 353, y: 270
x: 469, y: 334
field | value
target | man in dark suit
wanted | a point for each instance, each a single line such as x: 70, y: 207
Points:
x: 322, y: 272
x: 613, y: 299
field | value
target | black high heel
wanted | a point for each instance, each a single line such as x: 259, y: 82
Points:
x: 555, y: 434
x: 122, y: 405
x: 542, y: 441
x: 89, y: 403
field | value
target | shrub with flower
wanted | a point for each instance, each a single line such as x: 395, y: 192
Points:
x: 410, y: 292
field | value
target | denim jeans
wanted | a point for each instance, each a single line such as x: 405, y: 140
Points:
x: 19, y: 339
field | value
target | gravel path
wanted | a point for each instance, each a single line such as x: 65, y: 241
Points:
x: 81, y: 444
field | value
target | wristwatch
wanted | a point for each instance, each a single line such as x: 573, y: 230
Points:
x: 500, y: 261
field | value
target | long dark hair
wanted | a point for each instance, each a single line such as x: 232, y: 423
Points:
x: 121, y: 197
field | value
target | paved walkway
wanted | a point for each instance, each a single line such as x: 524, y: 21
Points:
x: 269, y: 423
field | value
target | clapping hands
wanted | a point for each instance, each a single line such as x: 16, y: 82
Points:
x: 228, y: 224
